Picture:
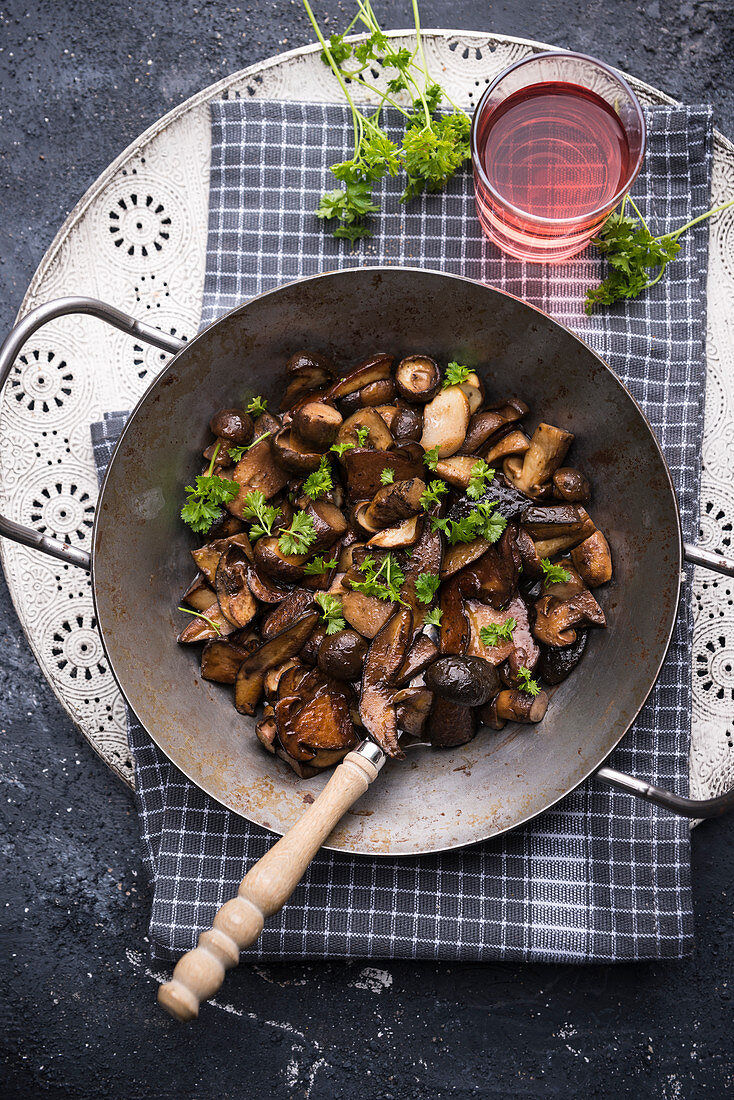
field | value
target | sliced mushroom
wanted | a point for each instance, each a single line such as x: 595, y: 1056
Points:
x: 557, y: 520
x: 412, y: 707
x: 561, y: 607
x: 266, y: 732
x: 450, y: 724
x: 521, y: 642
x: 470, y: 680
x: 314, y: 724
x: 369, y: 370
x: 296, y: 603
x: 378, y: 437
x: 454, y: 636
x: 236, y: 601
x: 395, y: 502
x: 251, y: 673
x: 366, y: 614
x: 293, y: 453
x: 307, y: 386
x: 457, y: 470
x: 305, y: 361
x: 264, y: 588
x: 570, y: 484
x: 361, y: 522
x: 485, y: 425
x: 593, y: 560
x: 425, y: 558
x: 257, y: 471
x: 461, y: 555
x: 493, y: 578
x: 207, y: 557
x: 317, y: 423
x: 545, y: 454
x: 270, y: 559
x: 220, y: 660
x: 528, y: 555
x: 199, y: 594
x: 210, y: 623
x: 402, y: 534
x: 377, y: 393
x: 514, y: 443
x: 384, y: 658
x: 518, y: 706
x: 558, y: 662
x: 233, y: 425
x: 445, y: 420
x: 329, y: 525
x: 342, y: 655
x: 417, y: 378
x: 273, y: 676
x: 365, y: 467
x: 419, y: 656
x: 388, y: 414
x: 225, y: 525
x: 473, y: 388
x: 407, y: 424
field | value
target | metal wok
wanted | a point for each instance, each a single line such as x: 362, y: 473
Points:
x: 140, y: 557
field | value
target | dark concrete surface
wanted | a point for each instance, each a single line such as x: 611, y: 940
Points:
x: 79, y: 81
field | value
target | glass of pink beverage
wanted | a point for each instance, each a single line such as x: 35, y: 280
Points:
x: 557, y: 140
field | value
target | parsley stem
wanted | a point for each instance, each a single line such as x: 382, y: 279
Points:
x: 638, y: 213
x: 214, y: 458
x: 356, y: 116
x: 701, y: 217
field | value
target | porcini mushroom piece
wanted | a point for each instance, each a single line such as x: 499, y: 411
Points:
x: 402, y: 534
x: 473, y: 388
x: 366, y: 614
x: 236, y: 601
x: 377, y: 393
x: 528, y: 555
x: 232, y: 425
x: 264, y: 588
x: 342, y: 655
x: 207, y: 557
x: 395, y: 502
x: 266, y: 733
x: 369, y: 370
x: 257, y: 470
x: 365, y: 467
x: 461, y: 555
x: 220, y: 660
x: 557, y: 662
x: 450, y: 724
x: 545, y: 454
x: 468, y: 680
x: 554, y: 520
x: 514, y: 443
x: 561, y: 607
x: 593, y: 560
x: 310, y: 385
x: 493, y: 578
x: 317, y: 423
x: 518, y: 706
x: 385, y: 656
x: 210, y: 623
x: 273, y: 676
x: 296, y: 604
x: 407, y: 424
x: 445, y: 420
x: 454, y: 636
x: 425, y: 557
x: 199, y: 594
x: 570, y: 484
x: 419, y: 656
x: 457, y: 470
x: 293, y: 453
x: 314, y: 724
x: 270, y: 559
x: 251, y: 673
x: 417, y: 378
x: 521, y: 643
x: 303, y: 361
x: 388, y: 414
x: 378, y: 437
x: 329, y: 524
x: 412, y: 707
x: 361, y: 522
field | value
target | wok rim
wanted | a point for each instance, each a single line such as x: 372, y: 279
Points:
x: 378, y: 269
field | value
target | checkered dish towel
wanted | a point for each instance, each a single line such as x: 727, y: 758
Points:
x: 601, y: 876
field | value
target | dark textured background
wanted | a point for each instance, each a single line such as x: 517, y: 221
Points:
x: 79, y: 1018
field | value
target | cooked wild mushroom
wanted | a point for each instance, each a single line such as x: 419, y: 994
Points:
x: 302, y: 361
x: 419, y: 656
x: 520, y: 643
x: 251, y: 673
x: 221, y: 658
x: 329, y: 525
x: 493, y: 578
x: 570, y: 484
x: 384, y: 658
x: 266, y: 732
x: 270, y: 559
x: 237, y: 603
x: 412, y: 707
x: 313, y: 720
x: 470, y: 681
x: 257, y: 471
x: 473, y: 388
x: 545, y: 454
x: 450, y: 724
x: 199, y: 595
x: 296, y: 604
x: 417, y: 378
x: 563, y: 606
x: 513, y: 444
x: 369, y: 370
x: 400, y: 535
x: 558, y: 662
x: 317, y: 423
x: 342, y: 655
x: 593, y: 560
x: 445, y: 420
x: 395, y: 502
x: 406, y: 425
x: 378, y: 438
x: 518, y: 706
x: 293, y: 453
x: 454, y: 637
x: 233, y: 425
x: 264, y: 588
x: 552, y: 521
x: 377, y: 393
x: 364, y: 468
x: 210, y: 623
x: 457, y: 470
x: 207, y: 556
x: 366, y: 614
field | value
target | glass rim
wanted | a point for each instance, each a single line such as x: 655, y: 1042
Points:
x: 608, y: 206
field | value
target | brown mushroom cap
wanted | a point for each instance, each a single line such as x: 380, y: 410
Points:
x: 302, y: 361
x: 406, y: 425
x: 394, y: 502
x: 234, y: 425
x: 570, y: 484
x: 417, y: 378
x: 342, y: 655
x: 384, y: 658
x: 317, y: 423
x: 378, y: 437
x: 470, y: 681
x: 593, y: 559
x: 294, y: 453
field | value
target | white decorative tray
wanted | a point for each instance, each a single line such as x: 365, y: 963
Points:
x: 137, y: 240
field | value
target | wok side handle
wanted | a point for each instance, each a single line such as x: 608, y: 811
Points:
x: 12, y: 345
x: 686, y: 807
x: 716, y: 562
x: 266, y: 887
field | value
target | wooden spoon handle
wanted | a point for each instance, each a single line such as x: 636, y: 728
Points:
x: 266, y: 887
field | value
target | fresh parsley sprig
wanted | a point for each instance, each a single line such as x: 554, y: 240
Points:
x: 430, y: 458
x: 426, y: 586
x: 554, y: 574
x: 483, y: 522
x: 481, y: 476
x: 297, y: 538
x: 432, y: 494
x: 527, y: 683
x: 256, y: 508
x: 433, y: 617
x: 387, y: 477
x: 494, y: 633
x: 455, y: 375
x: 236, y: 453
x: 317, y: 566
x: 633, y: 254
x: 206, y: 497
x: 257, y: 406
x: 320, y: 481
x: 331, y: 612
x: 384, y: 582
x: 340, y: 448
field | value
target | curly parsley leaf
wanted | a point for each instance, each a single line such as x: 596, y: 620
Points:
x: 483, y: 522
x: 362, y: 435
x: 297, y: 538
x: 494, y: 633
x: 257, y: 406
x: 331, y: 612
x: 433, y: 617
x: 320, y: 481
x: 387, y: 477
x: 317, y: 566
x: 432, y: 494
x: 481, y: 476
x: 455, y: 375
x: 426, y: 586
x: 261, y: 514
x: 430, y: 458
x: 554, y: 574
x: 527, y: 683
x: 384, y: 583
x: 340, y: 448
x: 206, y: 497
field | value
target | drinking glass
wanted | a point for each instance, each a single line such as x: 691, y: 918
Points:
x: 557, y: 140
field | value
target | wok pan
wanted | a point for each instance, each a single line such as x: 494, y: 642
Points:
x: 140, y: 552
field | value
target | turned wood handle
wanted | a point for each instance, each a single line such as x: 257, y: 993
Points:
x: 266, y: 887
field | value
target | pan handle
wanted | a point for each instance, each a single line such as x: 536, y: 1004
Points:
x: 717, y: 562
x: 12, y: 345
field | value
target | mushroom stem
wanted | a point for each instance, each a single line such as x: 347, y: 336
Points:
x: 518, y: 706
